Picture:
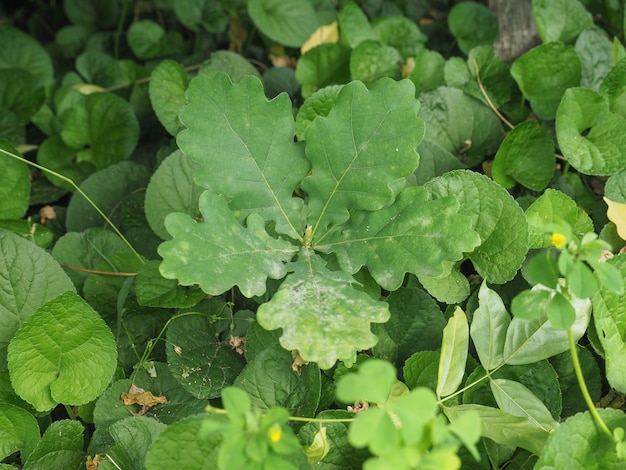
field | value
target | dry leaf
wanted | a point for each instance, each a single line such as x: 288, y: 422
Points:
x: 92, y: 464
x: 617, y: 214
x: 237, y: 343
x: 322, y: 35
x: 138, y: 396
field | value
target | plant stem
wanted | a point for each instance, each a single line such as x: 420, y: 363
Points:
x: 221, y: 411
x: 583, y: 388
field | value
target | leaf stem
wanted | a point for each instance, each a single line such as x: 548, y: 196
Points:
x: 583, y: 388
x: 82, y: 193
x: 484, y: 92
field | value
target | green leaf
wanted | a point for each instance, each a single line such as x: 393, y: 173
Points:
x: 288, y: 22
x: 64, y: 353
x: 57, y: 156
x: 29, y: 277
x: 615, y: 188
x: 168, y: 82
x: 106, y: 188
x: 100, y: 68
x: 572, y: 398
x: 488, y: 329
x: 375, y: 429
x: 230, y: 63
x: 244, y: 146
x: 153, y: 290
x: 354, y: 25
x: 319, y: 104
x: 372, y: 383
x: 590, y: 136
x: 614, y: 88
x: 532, y: 340
x: 531, y: 304
x: 579, y: 443
x: 552, y: 207
x: 427, y: 74
x: 504, y: 428
x: 22, y: 51
x: 526, y: 156
x: 38, y: 234
x: 326, y: 64
x: 61, y: 446
x: 472, y: 24
x: 15, y: 183
x: 421, y: 369
x: 497, y: 217
x: 608, y: 314
x: 413, y: 235
x: 400, y: 33
x: 133, y: 437
x: 149, y: 40
x: 322, y: 315
x: 543, y: 269
x: 221, y: 253
x: 581, y: 280
x: 560, y: 20
x: 270, y: 381
x: 545, y: 73
x: 93, y: 14
x: 371, y: 60
x: 453, y: 354
x: 596, y: 54
x: 182, y: 445
x: 198, y: 359
x: 19, y: 431
x: 205, y: 14
x: 416, y: 324
x: 346, y: 147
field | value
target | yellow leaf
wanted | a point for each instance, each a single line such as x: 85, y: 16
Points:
x: 617, y: 214
x: 322, y: 35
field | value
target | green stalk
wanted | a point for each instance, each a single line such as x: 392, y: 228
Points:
x: 583, y: 388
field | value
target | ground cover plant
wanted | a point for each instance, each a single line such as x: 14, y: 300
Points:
x: 311, y: 234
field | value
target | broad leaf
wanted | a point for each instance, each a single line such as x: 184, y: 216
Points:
x: 489, y: 324
x: 372, y: 382
x: 24, y: 52
x: 288, y: 22
x: 453, y: 354
x: 323, y: 316
x: 473, y: 24
x: 153, y: 290
x: 413, y: 235
x: 354, y: 25
x: 61, y: 446
x: 362, y: 151
x: 15, y: 183
x: 372, y: 60
x: 245, y: 148
x: 168, y: 83
x: 554, y: 25
x: 326, y: 64
x: 220, y: 253
x: 19, y: 431
x: 319, y: 104
x: 64, y: 353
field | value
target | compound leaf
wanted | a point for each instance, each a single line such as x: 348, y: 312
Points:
x: 220, y: 253
x: 245, y: 148
x: 322, y: 315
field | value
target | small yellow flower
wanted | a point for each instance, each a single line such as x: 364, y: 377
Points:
x: 275, y: 432
x: 558, y: 240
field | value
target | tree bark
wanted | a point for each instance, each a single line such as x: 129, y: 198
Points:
x: 517, y: 28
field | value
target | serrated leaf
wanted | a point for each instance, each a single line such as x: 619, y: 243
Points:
x: 245, y: 148
x: 488, y: 329
x: 560, y: 20
x: 168, y: 82
x: 61, y: 446
x: 362, y: 151
x: 201, y: 363
x: 590, y: 136
x: 220, y: 253
x: 29, y: 277
x: 19, y: 431
x: 453, y: 354
x: 64, y: 353
x: 322, y: 315
x: 413, y: 235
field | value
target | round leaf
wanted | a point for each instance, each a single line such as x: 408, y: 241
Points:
x: 472, y: 24
x: 19, y: 431
x: 288, y: 22
x: 168, y: 83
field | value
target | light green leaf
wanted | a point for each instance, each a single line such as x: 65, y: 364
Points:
x: 29, y: 277
x: 220, y: 253
x: 579, y: 443
x: 133, y: 437
x: 61, y: 446
x: 488, y: 330
x: 551, y: 207
x: 504, y: 428
x: 531, y: 304
x: 516, y: 399
x: 372, y: 382
x: 596, y: 54
x: 168, y: 82
x: 19, y: 431
x: 64, y: 353
x: 472, y: 24
x: 413, y: 235
x: 244, y: 146
x: 614, y: 87
x: 545, y: 73
x: 609, y: 311
x: 373, y: 428
x: 326, y: 64
x: 270, y: 381
x: 201, y: 363
x: 288, y: 22
x: 371, y: 60
x: 497, y: 217
x: 526, y: 156
x: 615, y: 188
x: 322, y: 315
x: 453, y: 354
x: 560, y: 20
x: 15, y: 183
x: 319, y: 104
x: 532, y: 340
x: 400, y: 33
x: 452, y: 288
x: 362, y: 151
x: 591, y: 137
x: 182, y: 445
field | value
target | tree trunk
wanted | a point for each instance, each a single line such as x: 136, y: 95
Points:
x: 517, y: 28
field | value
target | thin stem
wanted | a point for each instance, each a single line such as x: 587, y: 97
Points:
x: 96, y: 271
x: 221, y: 411
x: 484, y: 92
x: 583, y: 388
x: 82, y: 193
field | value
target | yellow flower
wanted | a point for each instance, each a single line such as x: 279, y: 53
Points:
x: 275, y: 432
x: 558, y: 240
